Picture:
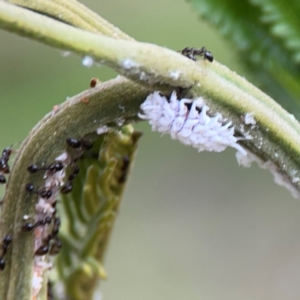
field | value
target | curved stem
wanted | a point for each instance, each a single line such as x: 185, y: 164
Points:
x: 139, y: 61
x: 45, y: 142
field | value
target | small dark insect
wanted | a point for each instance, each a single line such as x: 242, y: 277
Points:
x: 29, y: 187
x: 74, y: 143
x: 2, y: 179
x: 192, y: 52
x: 5, y: 243
x: 31, y: 226
x: 53, y: 167
x: 46, y: 194
x: 28, y: 227
x: 33, y: 168
x: 6, y: 153
x: 74, y: 173
x: 42, y: 250
x: 94, y: 82
x: 66, y: 188
x: 4, y: 168
x: 2, y: 264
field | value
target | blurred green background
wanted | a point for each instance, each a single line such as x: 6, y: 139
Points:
x: 192, y: 225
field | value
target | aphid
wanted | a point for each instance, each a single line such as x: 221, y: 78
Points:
x: 66, y: 188
x: 46, y: 194
x: 192, y: 52
x: 94, y: 82
x: 5, y: 244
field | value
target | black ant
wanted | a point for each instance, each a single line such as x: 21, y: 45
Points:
x: 31, y: 226
x: 54, y: 167
x: 5, y: 243
x: 192, y: 52
x: 76, y: 144
x: 46, y: 194
x: 44, y: 249
x: 67, y: 187
x: 4, y: 168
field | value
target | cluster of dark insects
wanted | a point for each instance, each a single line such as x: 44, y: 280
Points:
x: 4, y: 167
x: 51, y: 244
x: 191, y: 53
x: 79, y: 146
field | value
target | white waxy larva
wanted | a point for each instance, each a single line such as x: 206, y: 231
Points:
x: 191, y: 126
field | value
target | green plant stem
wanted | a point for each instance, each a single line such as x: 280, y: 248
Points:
x: 74, y: 13
x: 138, y: 61
x: 226, y: 92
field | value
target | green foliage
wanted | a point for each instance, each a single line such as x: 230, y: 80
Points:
x: 266, y: 39
x: 90, y: 209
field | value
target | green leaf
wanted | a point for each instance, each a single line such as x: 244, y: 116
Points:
x: 283, y: 19
x: 257, y: 47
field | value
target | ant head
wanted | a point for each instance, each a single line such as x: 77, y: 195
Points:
x: 209, y: 56
x: 66, y: 188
